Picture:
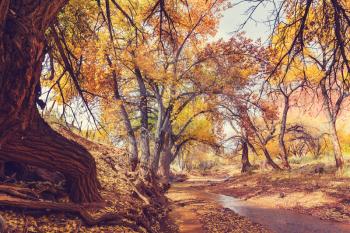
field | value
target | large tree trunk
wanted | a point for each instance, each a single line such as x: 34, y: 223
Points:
x: 245, y: 159
x: 158, y: 147
x: 24, y: 136
x: 338, y: 156
x: 162, y: 138
x: 166, y: 159
x: 41, y: 146
x: 164, y: 166
x: 282, y: 146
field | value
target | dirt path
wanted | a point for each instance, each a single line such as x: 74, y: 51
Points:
x: 196, y: 208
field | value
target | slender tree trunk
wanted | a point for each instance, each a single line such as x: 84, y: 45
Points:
x: 338, y: 156
x: 132, y: 148
x: 269, y: 159
x: 245, y: 159
x: 24, y: 136
x: 132, y: 143
x: 163, y: 128
x: 162, y: 137
x: 282, y: 146
x: 145, y: 150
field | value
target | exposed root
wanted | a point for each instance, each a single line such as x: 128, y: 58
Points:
x: 122, y: 219
x: 24, y: 193
x: 43, y: 147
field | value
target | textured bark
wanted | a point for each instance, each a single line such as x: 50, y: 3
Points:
x: 162, y: 137
x: 164, y: 165
x: 282, y: 146
x: 145, y: 150
x: 165, y: 160
x: 133, y: 151
x: 2, y: 169
x: 338, y: 156
x: 24, y: 136
x: 159, y: 137
x: 43, y: 147
x: 21, y: 50
x: 245, y: 159
x: 154, y: 163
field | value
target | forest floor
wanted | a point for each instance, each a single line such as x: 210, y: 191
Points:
x: 118, y: 191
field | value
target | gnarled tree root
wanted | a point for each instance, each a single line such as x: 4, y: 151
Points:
x: 20, y: 192
x: 121, y: 219
x: 43, y: 147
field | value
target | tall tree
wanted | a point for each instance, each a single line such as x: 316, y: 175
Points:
x: 316, y: 44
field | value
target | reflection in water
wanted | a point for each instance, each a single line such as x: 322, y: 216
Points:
x: 280, y: 220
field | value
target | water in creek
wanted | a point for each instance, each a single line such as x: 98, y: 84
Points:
x: 277, y: 220
x: 281, y: 220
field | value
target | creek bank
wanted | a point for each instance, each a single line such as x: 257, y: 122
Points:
x: 325, y: 196
x: 196, y: 208
x: 281, y: 220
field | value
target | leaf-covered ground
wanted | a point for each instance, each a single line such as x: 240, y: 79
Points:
x: 117, y: 189
x: 225, y: 220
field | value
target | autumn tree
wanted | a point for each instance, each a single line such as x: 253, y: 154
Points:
x: 241, y: 72
x: 285, y: 85
x: 153, y: 47
x: 144, y: 69
x: 25, y: 137
x: 242, y: 137
x: 320, y: 52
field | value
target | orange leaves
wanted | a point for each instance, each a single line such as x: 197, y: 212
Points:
x: 148, y: 60
x: 269, y: 110
x: 233, y: 63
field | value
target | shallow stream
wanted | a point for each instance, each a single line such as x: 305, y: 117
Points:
x: 277, y: 220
